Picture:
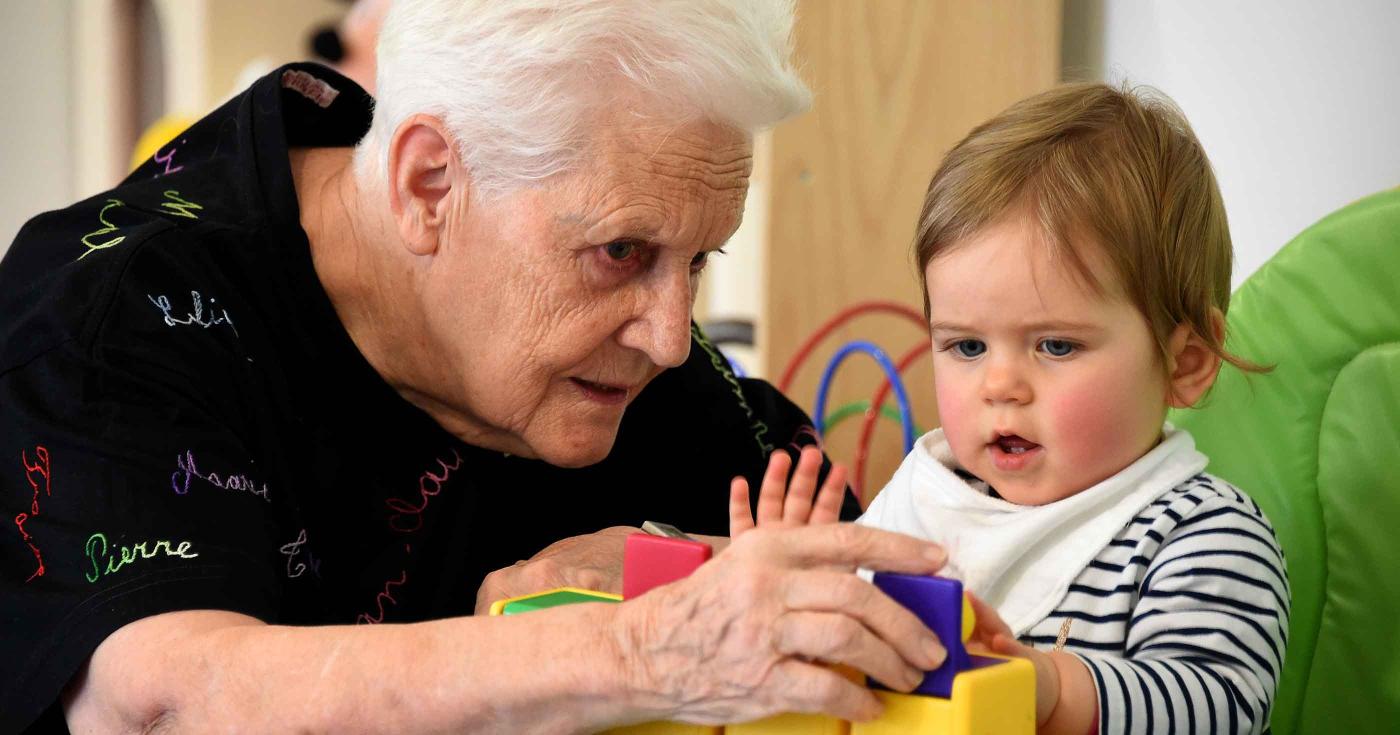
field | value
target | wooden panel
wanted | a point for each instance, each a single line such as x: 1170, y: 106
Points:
x: 897, y: 83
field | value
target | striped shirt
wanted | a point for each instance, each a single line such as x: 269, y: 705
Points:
x: 1182, y: 619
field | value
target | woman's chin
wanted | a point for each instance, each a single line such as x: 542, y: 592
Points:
x: 579, y: 448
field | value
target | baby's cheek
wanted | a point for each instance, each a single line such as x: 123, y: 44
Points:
x: 1089, y: 425
x: 953, y: 413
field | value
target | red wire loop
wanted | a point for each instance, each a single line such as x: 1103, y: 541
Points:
x: 841, y: 317
x: 867, y: 427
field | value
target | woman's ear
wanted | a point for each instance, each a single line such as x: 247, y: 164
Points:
x: 1192, y: 365
x: 421, y: 179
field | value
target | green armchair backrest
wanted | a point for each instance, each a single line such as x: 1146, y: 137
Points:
x: 1316, y: 443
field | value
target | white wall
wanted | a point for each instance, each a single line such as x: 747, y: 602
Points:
x: 36, y: 159
x: 1297, y: 102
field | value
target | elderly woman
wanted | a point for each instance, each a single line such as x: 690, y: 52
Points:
x: 314, y: 366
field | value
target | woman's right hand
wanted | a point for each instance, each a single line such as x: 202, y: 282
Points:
x: 746, y: 635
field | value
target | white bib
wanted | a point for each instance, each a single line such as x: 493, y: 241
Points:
x: 1021, y: 559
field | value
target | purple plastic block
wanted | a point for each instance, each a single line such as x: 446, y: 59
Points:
x: 938, y: 602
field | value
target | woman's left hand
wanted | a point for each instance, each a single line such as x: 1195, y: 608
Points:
x: 592, y: 561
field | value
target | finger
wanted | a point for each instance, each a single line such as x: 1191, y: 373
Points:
x: 827, y: 509
x: 840, y: 639
x: 1008, y: 646
x: 770, y: 493
x: 740, y: 512
x: 816, y: 689
x: 989, y: 623
x: 852, y: 597
x: 803, y: 486
x: 845, y: 546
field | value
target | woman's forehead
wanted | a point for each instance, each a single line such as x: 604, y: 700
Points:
x: 659, y: 183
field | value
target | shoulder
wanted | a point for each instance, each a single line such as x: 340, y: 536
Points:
x: 1209, y: 528
x: 1207, y: 502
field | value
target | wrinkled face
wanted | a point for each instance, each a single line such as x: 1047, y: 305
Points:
x: 1044, y: 387
x: 555, y: 305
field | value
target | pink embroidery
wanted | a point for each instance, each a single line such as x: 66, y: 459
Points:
x: 42, y: 468
x: 379, y: 601
x: 408, y: 517
x: 169, y: 159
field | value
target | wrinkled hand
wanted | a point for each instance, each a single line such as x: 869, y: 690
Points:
x: 782, y: 505
x: 592, y: 561
x: 746, y: 635
x: 993, y: 635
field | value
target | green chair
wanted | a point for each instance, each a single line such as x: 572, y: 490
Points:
x: 1316, y: 443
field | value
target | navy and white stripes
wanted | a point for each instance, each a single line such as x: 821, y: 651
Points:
x: 1183, y: 618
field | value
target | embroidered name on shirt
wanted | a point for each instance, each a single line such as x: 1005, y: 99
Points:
x: 96, y: 551
x: 759, y: 429
x: 106, y: 229
x: 407, y: 516
x: 178, y: 206
x: 188, y: 470
x: 292, y: 550
x: 379, y: 599
x: 196, y: 316
x: 310, y: 87
x: 168, y: 160
x: 42, y: 469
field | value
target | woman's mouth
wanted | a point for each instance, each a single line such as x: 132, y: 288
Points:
x: 1013, y: 453
x: 603, y: 393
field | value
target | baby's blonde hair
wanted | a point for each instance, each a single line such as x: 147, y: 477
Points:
x: 1117, y: 169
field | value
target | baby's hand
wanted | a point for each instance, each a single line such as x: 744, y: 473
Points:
x: 993, y: 635
x: 784, y: 506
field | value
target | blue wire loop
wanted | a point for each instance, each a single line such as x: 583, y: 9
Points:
x: 734, y: 365
x: 906, y: 416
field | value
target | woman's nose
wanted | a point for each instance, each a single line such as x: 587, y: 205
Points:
x: 662, y: 328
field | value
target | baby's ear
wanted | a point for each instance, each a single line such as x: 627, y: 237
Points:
x: 1192, y: 365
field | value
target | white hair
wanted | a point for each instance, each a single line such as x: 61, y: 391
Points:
x: 516, y: 80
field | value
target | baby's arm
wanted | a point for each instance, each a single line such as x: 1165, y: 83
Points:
x: 1065, y: 699
x: 1206, y: 637
x: 782, y: 505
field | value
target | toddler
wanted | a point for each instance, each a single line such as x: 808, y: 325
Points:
x: 1075, y: 261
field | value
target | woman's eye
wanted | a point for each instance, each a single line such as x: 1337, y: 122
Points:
x: 969, y: 347
x: 621, y: 249
x: 702, y: 259
x: 1056, y: 347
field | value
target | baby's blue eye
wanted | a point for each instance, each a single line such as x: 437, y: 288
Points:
x: 620, y: 249
x: 1056, y: 347
x: 970, y: 347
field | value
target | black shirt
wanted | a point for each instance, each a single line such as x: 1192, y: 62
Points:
x: 185, y: 424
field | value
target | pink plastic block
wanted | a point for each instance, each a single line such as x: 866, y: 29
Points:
x: 650, y: 561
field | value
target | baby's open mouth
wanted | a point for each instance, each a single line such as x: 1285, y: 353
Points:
x: 1014, y: 444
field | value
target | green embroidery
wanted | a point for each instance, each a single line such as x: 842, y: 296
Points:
x: 759, y: 429
x: 127, y: 554
x: 179, y: 207
x: 108, y: 227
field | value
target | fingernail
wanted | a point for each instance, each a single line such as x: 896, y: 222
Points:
x: 912, y: 678
x: 872, y: 710
x: 935, y: 652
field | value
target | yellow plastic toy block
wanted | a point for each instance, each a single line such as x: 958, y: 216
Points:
x: 995, y: 699
x: 665, y: 728
x: 792, y: 724
x: 796, y: 724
